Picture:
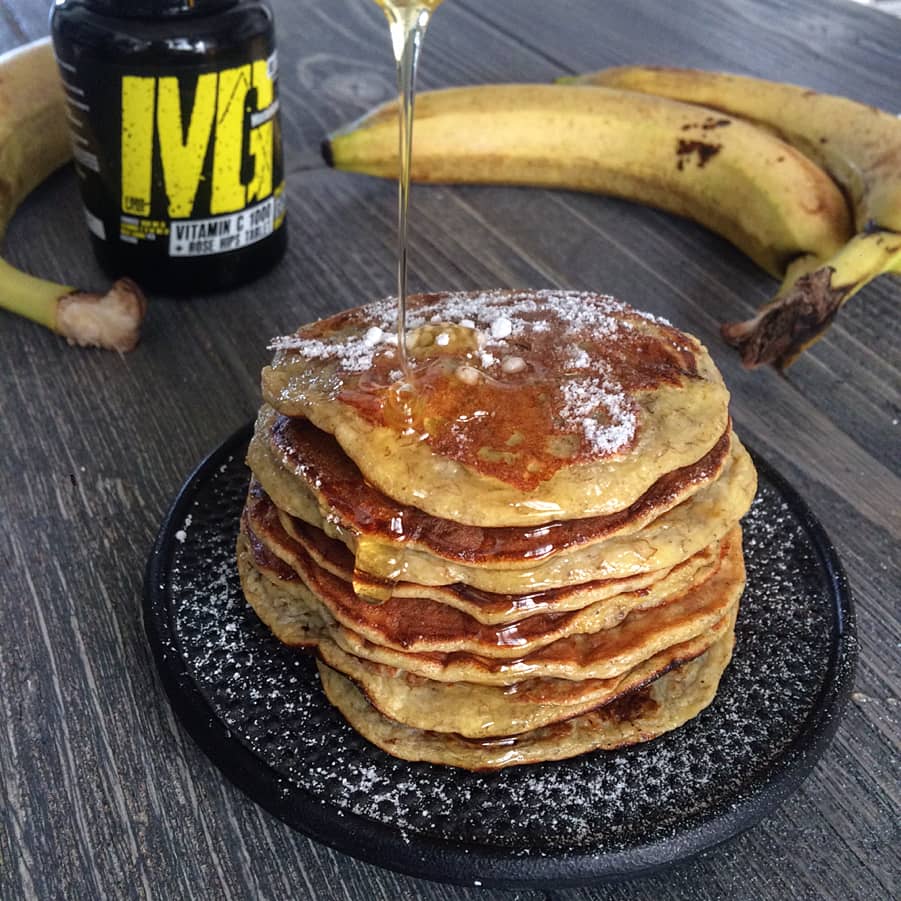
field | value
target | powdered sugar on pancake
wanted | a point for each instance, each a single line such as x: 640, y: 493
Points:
x: 607, y: 421
x: 576, y: 350
x: 353, y: 353
x: 499, y: 318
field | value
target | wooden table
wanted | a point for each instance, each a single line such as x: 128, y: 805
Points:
x: 104, y: 796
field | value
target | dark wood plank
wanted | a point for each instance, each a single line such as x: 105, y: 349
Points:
x: 23, y: 21
x: 106, y: 797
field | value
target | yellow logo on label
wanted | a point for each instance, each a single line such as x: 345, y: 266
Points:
x: 152, y: 112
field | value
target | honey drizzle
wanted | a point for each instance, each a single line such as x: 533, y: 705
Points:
x: 407, y: 21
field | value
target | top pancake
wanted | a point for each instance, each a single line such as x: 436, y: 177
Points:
x: 541, y: 405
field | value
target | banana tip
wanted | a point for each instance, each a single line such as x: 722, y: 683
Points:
x: 780, y: 332
x: 325, y: 148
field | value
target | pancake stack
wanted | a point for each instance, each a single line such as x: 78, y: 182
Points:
x: 525, y: 549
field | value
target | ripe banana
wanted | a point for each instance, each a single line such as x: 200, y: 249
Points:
x: 860, y: 146
x: 34, y: 141
x: 740, y: 181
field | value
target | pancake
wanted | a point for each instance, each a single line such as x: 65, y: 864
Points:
x: 463, y: 708
x: 664, y: 705
x: 328, y: 479
x: 671, y: 538
x: 485, y: 606
x: 601, y: 655
x: 420, y: 624
x: 293, y: 624
x: 552, y: 405
x: 327, y: 485
x: 281, y: 598
x: 481, y: 711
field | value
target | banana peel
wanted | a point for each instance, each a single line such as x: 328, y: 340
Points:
x: 34, y: 142
x: 860, y: 147
x: 740, y: 181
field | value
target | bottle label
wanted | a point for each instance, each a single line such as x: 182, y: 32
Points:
x: 196, y: 165
x: 199, y: 237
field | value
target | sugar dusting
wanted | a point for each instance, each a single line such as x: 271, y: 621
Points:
x: 600, y: 407
x: 498, y: 316
x: 269, y: 698
x: 503, y: 322
x: 181, y: 536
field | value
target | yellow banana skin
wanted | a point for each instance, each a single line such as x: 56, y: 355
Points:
x: 859, y: 145
x: 750, y: 187
x: 34, y: 138
x: 34, y: 142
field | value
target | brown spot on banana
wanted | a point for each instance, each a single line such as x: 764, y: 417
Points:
x: 704, y: 150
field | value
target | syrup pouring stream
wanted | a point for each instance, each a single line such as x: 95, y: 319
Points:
x: 407, y: 20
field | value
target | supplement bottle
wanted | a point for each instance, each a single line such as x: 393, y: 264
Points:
x: 173, y: 110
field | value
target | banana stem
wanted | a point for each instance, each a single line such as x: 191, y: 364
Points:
x: 111, y: 320
x: 34, y: 298
x: 808, y: 301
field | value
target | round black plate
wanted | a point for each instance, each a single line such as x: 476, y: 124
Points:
x: 256, y: 708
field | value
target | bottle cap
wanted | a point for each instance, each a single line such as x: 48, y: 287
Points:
x: 151, y: 9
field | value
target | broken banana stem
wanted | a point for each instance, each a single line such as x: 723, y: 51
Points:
x: 111, y: 321
x: 807, y: 302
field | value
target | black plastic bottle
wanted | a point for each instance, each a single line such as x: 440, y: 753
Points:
x: 173, y: 108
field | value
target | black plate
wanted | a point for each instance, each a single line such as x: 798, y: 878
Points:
x: 256, y: 708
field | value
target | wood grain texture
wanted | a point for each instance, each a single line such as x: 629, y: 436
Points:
x: 104, y: 795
